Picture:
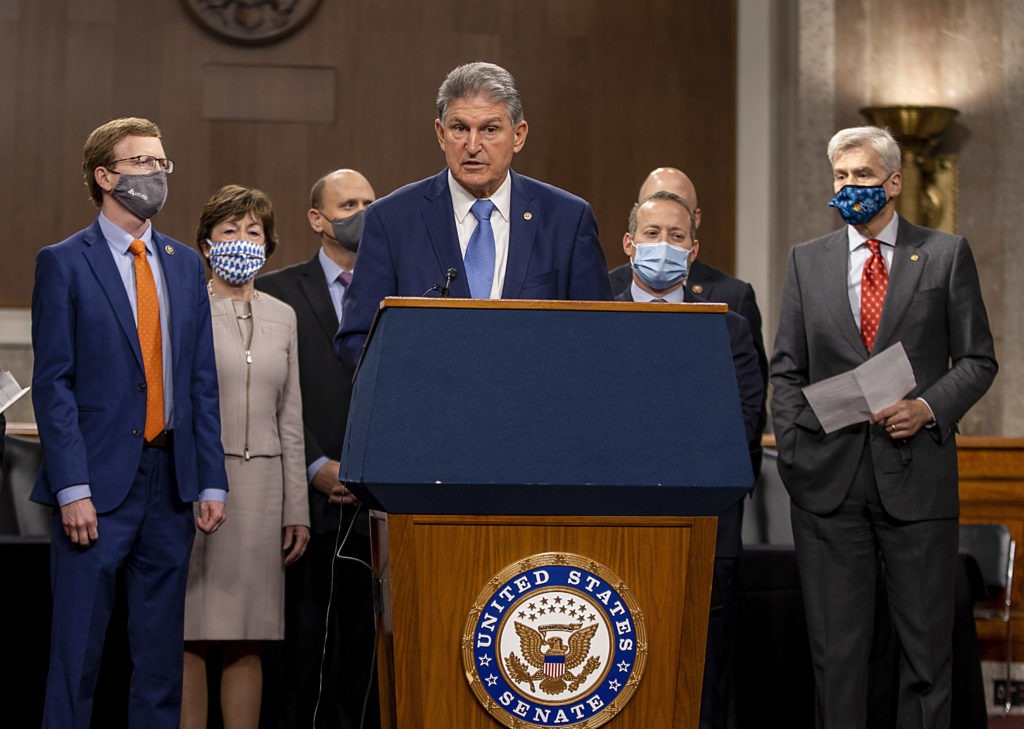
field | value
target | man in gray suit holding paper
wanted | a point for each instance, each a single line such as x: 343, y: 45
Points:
x: 886, y: 487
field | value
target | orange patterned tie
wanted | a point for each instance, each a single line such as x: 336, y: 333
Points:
x: 149, y: 339
x: 874, y: 281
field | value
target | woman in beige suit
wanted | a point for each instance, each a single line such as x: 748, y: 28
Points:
x: 235, y: 594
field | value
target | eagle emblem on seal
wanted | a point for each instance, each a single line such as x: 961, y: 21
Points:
x: 552, y: 660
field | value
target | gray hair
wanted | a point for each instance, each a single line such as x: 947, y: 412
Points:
x: 480, y: 79
x: 878, y: 139
x: 662, y: 195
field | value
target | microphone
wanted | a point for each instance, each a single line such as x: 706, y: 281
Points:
x: 450, y: 275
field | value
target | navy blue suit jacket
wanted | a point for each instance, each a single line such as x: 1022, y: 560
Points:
x: 410, y: 241
x: 729, y: 540
x: 713, y: 284
x: 744, y: 359
x: 88, y: 382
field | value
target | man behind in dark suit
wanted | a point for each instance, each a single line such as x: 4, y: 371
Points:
x: 887, y: 486
x: 539, y: 243
x: 316, y: 289
x: 665, y: 219
x: 125, y: 393
x: 704, y: 280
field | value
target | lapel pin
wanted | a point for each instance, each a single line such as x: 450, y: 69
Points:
x: 914, y: 257
x: 169, y: 250
x: 697, y: 289
x: 527, y: 215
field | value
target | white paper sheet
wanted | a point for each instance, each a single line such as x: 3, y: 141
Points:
x: 853, y: 396
x: 10, y: 390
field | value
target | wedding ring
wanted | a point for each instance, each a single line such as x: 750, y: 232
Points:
x: 892, y: 427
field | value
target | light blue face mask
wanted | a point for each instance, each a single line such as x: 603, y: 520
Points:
x: 237, y: 261
x: 661, y: 265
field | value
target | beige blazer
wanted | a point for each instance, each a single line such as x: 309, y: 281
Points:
x: 266, y: 415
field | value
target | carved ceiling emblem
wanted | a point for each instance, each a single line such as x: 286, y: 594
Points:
x: 251, y: 22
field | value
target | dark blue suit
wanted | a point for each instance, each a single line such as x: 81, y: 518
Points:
x: 88, y: 388
x: 349, y: 665
x: 410, y: 241
x: 729, y: 540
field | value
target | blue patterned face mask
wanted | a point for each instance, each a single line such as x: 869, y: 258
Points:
x: 857, y: 204
x: 237, y: 261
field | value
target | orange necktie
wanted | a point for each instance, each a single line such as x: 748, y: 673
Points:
x: 873, y: 283
x: 149, y: 339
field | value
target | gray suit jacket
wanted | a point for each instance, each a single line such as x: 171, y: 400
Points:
x: 934, y: 307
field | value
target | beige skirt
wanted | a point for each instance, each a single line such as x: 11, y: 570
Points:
x: 236, y: 575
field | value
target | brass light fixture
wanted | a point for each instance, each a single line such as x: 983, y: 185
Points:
x: 930, y: 185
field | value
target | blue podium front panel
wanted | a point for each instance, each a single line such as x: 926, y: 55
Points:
x: 612, y: 409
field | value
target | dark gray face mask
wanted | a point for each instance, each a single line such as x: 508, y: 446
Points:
x: 348, y: 231
x: 142, y: 195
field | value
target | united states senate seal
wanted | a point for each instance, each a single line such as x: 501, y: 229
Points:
x: 554, y: 640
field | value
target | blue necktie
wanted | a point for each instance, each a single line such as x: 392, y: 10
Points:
x: 480, y: 252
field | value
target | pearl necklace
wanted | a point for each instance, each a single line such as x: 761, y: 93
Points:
x: 243, y: 317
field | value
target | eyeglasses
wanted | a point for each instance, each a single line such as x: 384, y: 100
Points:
x: 146, y: 163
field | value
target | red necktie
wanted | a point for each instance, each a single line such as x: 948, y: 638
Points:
x: 874, y: 281
x: 149, y: 340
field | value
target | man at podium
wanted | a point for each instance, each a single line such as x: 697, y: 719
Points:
x: 476, y: 229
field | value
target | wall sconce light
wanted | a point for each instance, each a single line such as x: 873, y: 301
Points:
x: 930, y: 180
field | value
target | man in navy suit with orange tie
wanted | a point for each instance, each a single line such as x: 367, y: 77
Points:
x: 125, y: 394
x: 504, y: 235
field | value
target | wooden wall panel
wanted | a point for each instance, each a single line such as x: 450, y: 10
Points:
x: 610, y: 90
x: 991, y: 480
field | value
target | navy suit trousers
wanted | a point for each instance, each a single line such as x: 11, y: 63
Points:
x: 150, y: 535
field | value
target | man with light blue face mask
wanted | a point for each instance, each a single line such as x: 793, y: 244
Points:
x: 661, y: 247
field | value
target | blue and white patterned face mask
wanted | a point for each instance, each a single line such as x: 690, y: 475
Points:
x: 858, y: 204
x: 237, y: 261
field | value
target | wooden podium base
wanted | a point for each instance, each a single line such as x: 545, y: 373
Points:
x: 434, y: 567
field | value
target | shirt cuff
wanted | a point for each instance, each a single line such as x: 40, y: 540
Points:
x: 213, y: 495
x: 931, y: 422
x: 313, y: 468
x: 73, y: 493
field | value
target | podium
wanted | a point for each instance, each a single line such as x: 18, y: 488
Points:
x: 544, y: 479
